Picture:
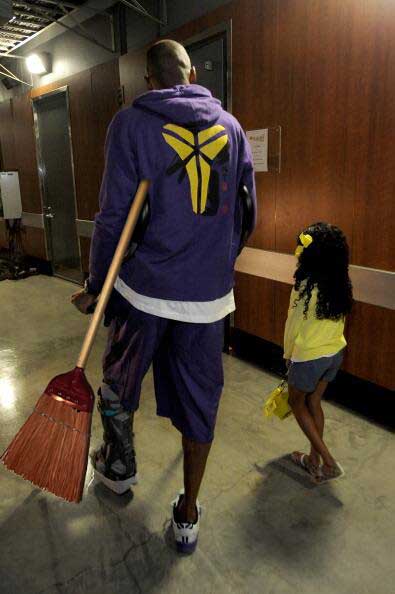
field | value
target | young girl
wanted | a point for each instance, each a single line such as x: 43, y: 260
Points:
x: 314, y: 340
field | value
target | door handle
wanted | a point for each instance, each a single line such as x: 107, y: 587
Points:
x: 48, y: 212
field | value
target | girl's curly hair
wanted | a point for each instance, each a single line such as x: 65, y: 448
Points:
x: 324, y: 264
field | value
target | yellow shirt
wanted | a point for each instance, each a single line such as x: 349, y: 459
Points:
x: 311, y: 338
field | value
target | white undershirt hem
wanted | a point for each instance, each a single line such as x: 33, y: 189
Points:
x: 196, y: 312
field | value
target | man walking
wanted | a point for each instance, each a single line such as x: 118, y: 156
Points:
x: 172, y: 295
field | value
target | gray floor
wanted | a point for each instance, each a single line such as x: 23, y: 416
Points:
x: 265, y: 527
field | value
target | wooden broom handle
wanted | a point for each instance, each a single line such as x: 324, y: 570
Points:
x: 113, y: 271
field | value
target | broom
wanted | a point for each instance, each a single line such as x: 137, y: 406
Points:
x: 51, y: 448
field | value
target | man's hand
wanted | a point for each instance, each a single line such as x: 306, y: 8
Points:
x: 83, y: 301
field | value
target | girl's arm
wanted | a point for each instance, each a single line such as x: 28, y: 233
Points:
x: 292, y: 325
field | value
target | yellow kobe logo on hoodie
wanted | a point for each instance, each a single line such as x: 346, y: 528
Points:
x: 197, y: 153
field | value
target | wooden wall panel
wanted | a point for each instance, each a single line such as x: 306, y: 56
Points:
x: 105, y: 85
x: 370, y: 138
x: 336, y: 73
x: 325, y: 72
x: 26, y: 154
x: 312, y: 75
x: 264, y: 235
x: 254, y: 31
x: 132, y: 71
x: 370, y: 334
x: 276, y: 304
x: 85, y: 149
x: 7, y: 139
x: 255, y: 306
x: 282, y: 293
x: 93, y: 103
x: 33, y: 240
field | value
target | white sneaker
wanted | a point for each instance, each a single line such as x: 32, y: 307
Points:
x: 185, y: 534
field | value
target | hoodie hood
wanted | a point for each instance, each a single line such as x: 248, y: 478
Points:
x: 187, y: 105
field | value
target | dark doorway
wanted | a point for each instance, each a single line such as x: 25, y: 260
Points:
x: 209, y: 56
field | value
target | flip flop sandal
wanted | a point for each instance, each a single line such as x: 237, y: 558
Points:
x: 337, y: 473
x: 301, y: 460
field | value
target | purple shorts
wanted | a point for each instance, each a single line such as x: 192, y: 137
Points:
x: 187, y: 365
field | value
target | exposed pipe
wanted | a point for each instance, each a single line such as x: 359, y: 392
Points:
x: 141, y: 10
x: 12, y: 75
x: 31, y: 15
x: 39, y: 10
x: 12, y: 35
x: 20, y: 22
x: 51, y: 16
x: 13, y: 56
x: 68, y: 4
x: 17, y: 28
x: 82, y: 33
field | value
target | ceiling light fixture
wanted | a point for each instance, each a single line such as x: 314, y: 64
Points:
x: 39, y: 63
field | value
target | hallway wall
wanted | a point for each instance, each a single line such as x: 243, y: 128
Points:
x: 323, y: 71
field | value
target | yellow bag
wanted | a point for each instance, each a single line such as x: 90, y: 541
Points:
x: 277, y: 403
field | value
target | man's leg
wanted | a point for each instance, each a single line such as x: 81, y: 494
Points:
x: 188, y: 384
x: 132, y: 342
x: 114, y: 461
x: 195, y: 458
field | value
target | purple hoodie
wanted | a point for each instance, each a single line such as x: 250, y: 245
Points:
x: 196, y: 156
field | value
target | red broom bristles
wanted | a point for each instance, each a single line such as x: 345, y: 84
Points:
x: 51, y: 448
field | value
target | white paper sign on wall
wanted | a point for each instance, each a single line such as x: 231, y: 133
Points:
x: 10, y: 195
x: 258, y: 140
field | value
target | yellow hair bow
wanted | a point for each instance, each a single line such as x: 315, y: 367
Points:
x: 305, y: 240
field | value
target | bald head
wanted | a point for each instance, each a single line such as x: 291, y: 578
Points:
x: 168, y: 65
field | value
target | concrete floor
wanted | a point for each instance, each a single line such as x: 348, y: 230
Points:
x: 265, y: 527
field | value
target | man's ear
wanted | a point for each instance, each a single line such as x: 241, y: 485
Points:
x: 192, y: 75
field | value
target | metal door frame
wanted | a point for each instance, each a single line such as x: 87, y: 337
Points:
x: 210, y: 34
x: 40, y: 167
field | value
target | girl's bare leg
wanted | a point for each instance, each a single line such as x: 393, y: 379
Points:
x: 313, y: 402
x: 297, y: 401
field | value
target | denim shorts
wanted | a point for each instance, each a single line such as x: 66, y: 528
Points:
x: 305, y: 375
